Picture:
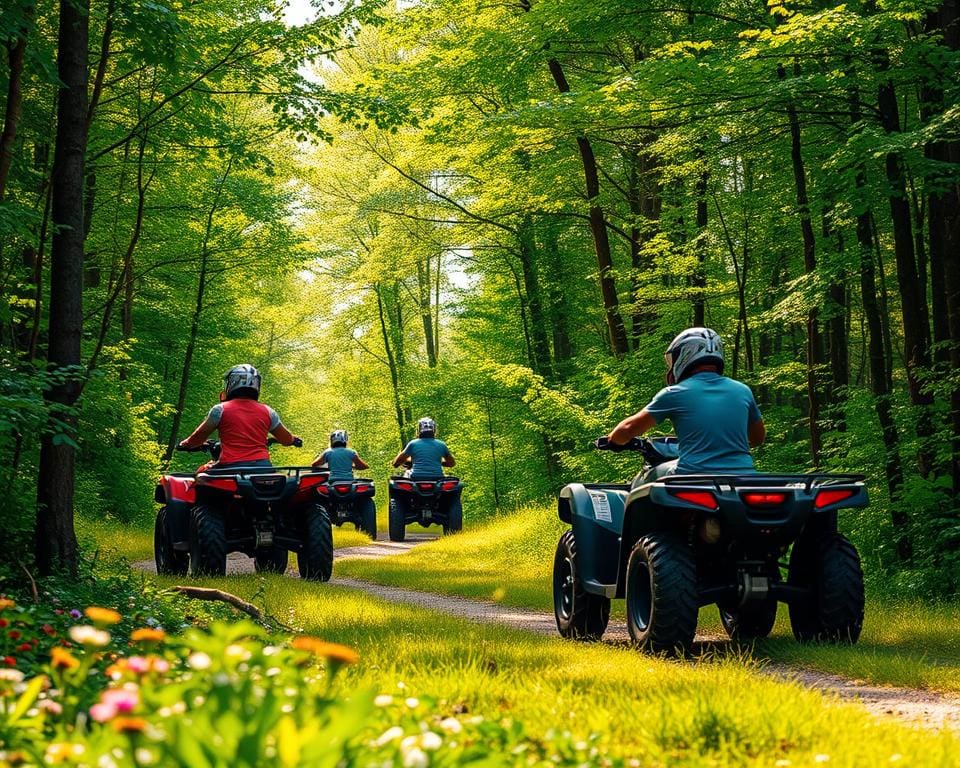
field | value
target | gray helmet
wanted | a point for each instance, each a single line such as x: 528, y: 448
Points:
x: 338, y: 437
x: 425, y: 426
x: 242, y: 380
x: 693, y: 347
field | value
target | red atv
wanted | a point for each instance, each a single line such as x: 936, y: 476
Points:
x: 351, y: 501
x: 265, y: 512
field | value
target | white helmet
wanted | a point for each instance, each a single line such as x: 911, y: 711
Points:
x: 338, y: 437
x: 692, y: 347
x: 241, y: 377
x: 426, y: 425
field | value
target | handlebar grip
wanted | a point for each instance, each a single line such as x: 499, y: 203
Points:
x: 297, y: 442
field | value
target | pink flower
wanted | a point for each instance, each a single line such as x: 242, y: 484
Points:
x: 102, y: 712
x: 121, y: 699
x: 138, y: 665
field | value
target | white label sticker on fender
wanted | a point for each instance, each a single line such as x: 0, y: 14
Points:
x: 601, y: 506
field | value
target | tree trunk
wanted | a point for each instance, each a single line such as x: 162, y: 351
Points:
x: 56, y: 541
x: 809, y: 266
x: 699, y: 278
x: 392, y: 365
x: 16, y: 48
x: 531, y: 283
x: 424, y: 289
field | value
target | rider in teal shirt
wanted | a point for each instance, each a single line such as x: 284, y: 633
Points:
x: 340, y: 460
x: 428, y: 454
x: 716, y: 418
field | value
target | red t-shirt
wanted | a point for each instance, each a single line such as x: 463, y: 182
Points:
x: 244, y: 426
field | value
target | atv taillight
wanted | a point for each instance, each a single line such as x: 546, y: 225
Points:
x: 311, y: 481
x: 403, y: 485
x: 763, y: 499
x: 827, y: 497
x: 342, y: 487
x: 324, y: 489
x: 363, y: 488
x: 220, y: 483
x: 425, y: 486
x: 449, y: 485
x: 700, y: 498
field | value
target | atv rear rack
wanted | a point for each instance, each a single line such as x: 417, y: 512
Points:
x: 732, y: 482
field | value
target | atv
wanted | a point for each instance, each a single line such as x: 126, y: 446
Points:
x: 351, y: 501
x: 426, y: 502
x: 265, y: 512
x: 674, y: 543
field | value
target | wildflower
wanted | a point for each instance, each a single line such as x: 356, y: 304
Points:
x: 102, y: 616
x: 237, y: 652
x: 124, y: 700
x: 148, y: 635
x: 199, y: 660
x: 821, y: 758
x: 6, y: 602
x: 391, y: 734
x: 48, y: 630
x: 451, y: 724
x: 430, y: 740
x: 89, y: 636
x: 61, y: 752
x: 11, y: 675
x: 25, y: 647
x: 51, y: 706
x: 74, y: 613
x: 129, y: 725
x: 383, y: 700
x: 333, y: 651
x: 10, y: 661
x: 63, y: 659
x: 412, y: 702
x: 14, y: 634
x: 102, y: 712
x: 415, y: 758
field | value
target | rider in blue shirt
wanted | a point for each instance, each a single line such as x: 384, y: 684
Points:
x: 716, y: 419
x: 427, y: 454
x: 340, y: 460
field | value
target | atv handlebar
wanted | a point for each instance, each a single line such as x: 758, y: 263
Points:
x: 634, y: 444
x: 210, y: 446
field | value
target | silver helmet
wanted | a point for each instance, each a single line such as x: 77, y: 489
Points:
x: 239, y: 378
x: 426, y: 425
x: 692, y: 347
x: 338, y: 437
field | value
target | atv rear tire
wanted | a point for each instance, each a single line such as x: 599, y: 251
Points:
x: 749, y: 622
x: 208, y: 542
x: 396, y: 524
x: 272, y: 560
x: 315, y: 559
x: 170, y: 562
x: 454, y: 517
x: 368, y: 518
x: 580, y: 615
x: 830, y: 569
x: 661, y: 587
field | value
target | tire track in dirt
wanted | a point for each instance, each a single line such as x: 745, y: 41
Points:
x: 915, y: 706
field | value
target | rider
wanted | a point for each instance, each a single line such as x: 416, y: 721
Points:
x: 243, y: 422
x: 427, y: 454
x: 338, y: 458
x: 716, y: 419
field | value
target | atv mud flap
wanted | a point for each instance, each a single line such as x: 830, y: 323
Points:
x: 596, y: 514
x: 178, y: 524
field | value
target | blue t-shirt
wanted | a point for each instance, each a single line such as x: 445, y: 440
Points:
x: 710, y: 414
x: 340, y: 462
x: 426, y: 453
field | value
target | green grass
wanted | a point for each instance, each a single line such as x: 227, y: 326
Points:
x: 509, y: 559
x: 718, y: 711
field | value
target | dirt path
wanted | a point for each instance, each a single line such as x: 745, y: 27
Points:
x: 923, y: 708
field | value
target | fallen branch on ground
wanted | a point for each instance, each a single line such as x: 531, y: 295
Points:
x: 206, y: 593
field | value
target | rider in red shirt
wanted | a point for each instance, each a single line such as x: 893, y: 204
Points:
x: 243, y: 422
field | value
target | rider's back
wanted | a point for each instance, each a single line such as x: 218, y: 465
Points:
x: 340, y: 462
x: 710, y: 414
x: 244, y: 425
x: 426, y: 454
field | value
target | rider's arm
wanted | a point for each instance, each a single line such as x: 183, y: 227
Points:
x: 448, y: 460
x: 283, y: 435
x: 207, y: 427
x: 359, y: 463
x: 401, y: 458
x: 631, y: 427
x: 756, y: 433
x: 321, y: 460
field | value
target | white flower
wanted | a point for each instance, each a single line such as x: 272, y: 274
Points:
x: 413, y: 703
x: 11, y: 675
x: 451, y: 724
x: 144, y: 756
x: 821, y: 758
x: 152, y: 622
x: 383, y: 700
x: 89, y: 636
x: 408, y: 743
x: 416, y: 758
x: 199, y: 660
x: 389, y: 735
x: 431, y: 741
x: 237, y: 652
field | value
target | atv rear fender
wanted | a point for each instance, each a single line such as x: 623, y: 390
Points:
x: 596, y: 513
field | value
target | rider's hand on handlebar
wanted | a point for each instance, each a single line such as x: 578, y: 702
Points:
x: 297, y: 442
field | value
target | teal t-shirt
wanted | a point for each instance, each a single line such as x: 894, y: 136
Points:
x: 340, y: 462
x: 710, y: 414
x: 426, y: 453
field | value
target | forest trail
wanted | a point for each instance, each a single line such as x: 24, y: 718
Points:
x: 919, y: 707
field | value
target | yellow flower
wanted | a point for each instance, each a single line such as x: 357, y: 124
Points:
x: 62, y: 658
x: 102, y: 616
x: 62, y: 752
x: 129, y: 724
x: 148, y: 635
x: 342, y: 654
x: 6, y: 603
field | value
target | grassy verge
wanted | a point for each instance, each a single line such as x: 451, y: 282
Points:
x: 510, y: 560
x: 717, y: 712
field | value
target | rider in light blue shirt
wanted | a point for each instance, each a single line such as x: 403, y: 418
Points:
x: 340, y: 460
x: 716, y: 419
x: 428, y: 454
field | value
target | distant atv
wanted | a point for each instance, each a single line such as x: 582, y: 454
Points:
x: 673, y: 544
x: 428, y: 502
x: 351, y: 501
x: 264, y: 512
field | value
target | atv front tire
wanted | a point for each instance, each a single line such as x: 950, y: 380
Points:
x: 830, y: 569
x: 580, y: 615
x: 315, y: 559
x: 208, y: 542
x: 396, y: 524
x: 272, y: 560
x: 170, y: 562
x: 749, y: 622
x: 454, y: 517
x: 661, y: 587
x: 368, y: 518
